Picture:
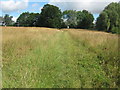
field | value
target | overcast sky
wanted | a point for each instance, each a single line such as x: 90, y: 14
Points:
x: 16, y: 7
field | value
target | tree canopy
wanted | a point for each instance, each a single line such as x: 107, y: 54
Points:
x: 109, y: 19
x: 85, y: 19
x: 27, y: 19
x: 50, y: 17
x: 78, y: 19
x: 8, y: 20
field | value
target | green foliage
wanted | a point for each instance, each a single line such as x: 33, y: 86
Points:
x: 103, y: 22
x: 85, y: 19
x: 22, y: 19
x: 116, y: 30
x: 71, y: 18
x: 78, y: 19
x: 27, y: 19
x: 8, y: 20
x: 109, y: 19
x: 50, y: 17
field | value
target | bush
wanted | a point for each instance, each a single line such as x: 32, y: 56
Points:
x: 116, y: 30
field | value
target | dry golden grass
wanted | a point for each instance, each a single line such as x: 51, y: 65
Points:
x: 95, y: 38
x: 24, y: 38
x: 32, y: 32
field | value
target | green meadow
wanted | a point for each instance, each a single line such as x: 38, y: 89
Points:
x: 66, y: 58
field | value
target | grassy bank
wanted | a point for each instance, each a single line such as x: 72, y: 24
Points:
x: 50, y: 58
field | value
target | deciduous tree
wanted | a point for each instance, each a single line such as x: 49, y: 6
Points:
x: 50, y: 16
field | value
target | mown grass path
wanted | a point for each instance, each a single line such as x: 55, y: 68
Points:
x: 59, y: 61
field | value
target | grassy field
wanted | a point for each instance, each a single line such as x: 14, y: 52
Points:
x: 66, y: 58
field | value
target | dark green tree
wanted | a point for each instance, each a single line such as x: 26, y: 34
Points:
x: 22, y: 19
x: 50, y: 17
x: 85, y: 19
x: 103, y: 23
x: 32, y: 19
x: 27, y: 19
x: 109, y: 19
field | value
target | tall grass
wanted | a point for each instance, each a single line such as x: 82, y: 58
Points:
x: 51, y: 58
x: 106, y: 48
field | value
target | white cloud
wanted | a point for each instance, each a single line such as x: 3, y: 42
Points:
x: 14, y: 19
x: 90, y: 5
x: 72, y: 0
x: 40, y: 9
x: 11, y: 5
x: 94, y: 6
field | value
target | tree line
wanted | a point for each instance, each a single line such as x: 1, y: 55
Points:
x: 52, y: 17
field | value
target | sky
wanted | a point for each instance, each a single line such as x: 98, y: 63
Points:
x: 16, y: 7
